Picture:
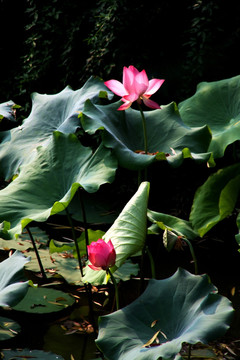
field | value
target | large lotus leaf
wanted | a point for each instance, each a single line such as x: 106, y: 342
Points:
x: 127, y: 233
x: 12, y: 286
x: 6, y: 111
x: 58, y: 112
x: 215, y: 199
x: 165, y: 131
x: 182, y: 308
x: 216, y: 104
x: 47, y: 185
x: 165, y: 221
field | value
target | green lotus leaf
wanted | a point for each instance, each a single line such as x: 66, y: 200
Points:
x: 164, y: 221
x: 58, y: 112
x: 12, y: 285
x: 24, y: 242
x: 58, y: 264
x: 21, y: 354
x: 8, y: 328
x: 184, y: 308
x: 43, y: 300
x: 60, y: 246
x: 167, y: 134
x: 6, y: 111
x: 99, y: 207
x: 215, y: 199
x: 46, y: 186
x: 127, y: 233
x: 216, y: 104
x: 124, y: 272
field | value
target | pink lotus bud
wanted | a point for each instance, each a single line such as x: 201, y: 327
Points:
x: 102, y: 255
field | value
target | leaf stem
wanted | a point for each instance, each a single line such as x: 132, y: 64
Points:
x: 75, y: 241
x: 84, y: 219
x: 144, y: 129
x: 193, y: 255
x: 189, y: 351
x: 87, y: 286
x: 116, y: 288
x: 151, y: 263
x: 37, y: 253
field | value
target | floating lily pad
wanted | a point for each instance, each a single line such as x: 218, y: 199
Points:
x: 30, y: 354
x: 44, y: 300
x: 8, y: 328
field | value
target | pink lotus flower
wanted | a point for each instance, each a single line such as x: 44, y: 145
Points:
x: 102, y: 255
x: 135, y: 87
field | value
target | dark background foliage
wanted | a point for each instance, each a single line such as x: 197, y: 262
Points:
x: 46, y: 45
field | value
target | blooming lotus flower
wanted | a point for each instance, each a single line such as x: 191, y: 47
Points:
x: 102, y: 255
x: 135, y: 87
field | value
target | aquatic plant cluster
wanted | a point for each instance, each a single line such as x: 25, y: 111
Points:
x: 64, y: 160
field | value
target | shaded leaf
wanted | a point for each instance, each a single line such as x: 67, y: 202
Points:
x: 215, y: 199
x: 187, y: 308
x: 8, y: 328
x: 216, y: 104
x: 165, y: 131
x: 172, y: 223
x: 21, y: 354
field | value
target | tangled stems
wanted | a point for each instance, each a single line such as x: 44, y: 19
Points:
x: 116, y: 288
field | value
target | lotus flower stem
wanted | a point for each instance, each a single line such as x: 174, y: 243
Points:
x: 193, y: 255
x: 84, y: 219
x: 151, y: 263
x: 144, y: 129
x: 87, y: 286
x: 189, y: 351
x: 116, y: 288
x: 75, y: 241
x: 37, y: 253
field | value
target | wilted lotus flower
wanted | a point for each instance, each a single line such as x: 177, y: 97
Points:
x: 102, y: 255
x: 135, y: 87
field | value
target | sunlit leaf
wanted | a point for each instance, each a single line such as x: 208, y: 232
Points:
x: 52, y: 179
x: 49, y: 113
x: 127, y: 233
x: 43, y: 300
x: 13, y: 284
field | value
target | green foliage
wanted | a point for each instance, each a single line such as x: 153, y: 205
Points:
x: 215, y: 199
x: 128, y: 233
x: 182, y: 308
x: 175, y: 143
x: 42, y: 300
x: 216, y: 104
x: 12, y: 287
